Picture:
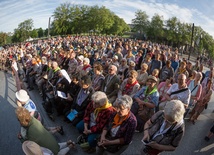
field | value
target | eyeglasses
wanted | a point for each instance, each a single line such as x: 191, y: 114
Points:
x: 170, y: 122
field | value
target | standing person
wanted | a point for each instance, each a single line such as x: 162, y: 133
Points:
x: 111, y: 84
x: 202, y: 102
x: 118, y: 132
x: 164, y: 130
x: 195, y: 88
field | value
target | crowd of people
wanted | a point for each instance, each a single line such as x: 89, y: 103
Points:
x: 115, y: 86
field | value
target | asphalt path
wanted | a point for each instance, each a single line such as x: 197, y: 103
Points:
x: 192, y: 142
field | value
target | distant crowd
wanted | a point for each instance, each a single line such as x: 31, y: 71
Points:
x: 115, y: 86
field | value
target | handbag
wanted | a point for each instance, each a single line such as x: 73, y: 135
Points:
x: 146, y: 113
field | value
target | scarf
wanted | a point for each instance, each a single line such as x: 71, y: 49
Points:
x: 105, y: 106
x: 85, y: 67
x: 180, y: 71
x: 56, y: 70
x: 117, y: 121
x: 145, y: 96
x: 128, y: 88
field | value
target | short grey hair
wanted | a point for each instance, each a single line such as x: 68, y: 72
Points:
x: 175, y: 110
x: 99, y: 97
x: 114, y: 67
x: 125, y: 101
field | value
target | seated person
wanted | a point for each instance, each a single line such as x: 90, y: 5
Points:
x: 95, y: 118
x: 178, y: 91
x: 130, y: 85
x: 35, y: 129
x: 145, y: 102
x: 82, y: 99
x: 117, y: 134
x: 164, y: 130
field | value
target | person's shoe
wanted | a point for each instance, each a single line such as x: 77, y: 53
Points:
x: 85, y: 146
x: 207, y: 139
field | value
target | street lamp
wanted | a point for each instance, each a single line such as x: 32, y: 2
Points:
x: 49, y: 23
x: 191, y: 40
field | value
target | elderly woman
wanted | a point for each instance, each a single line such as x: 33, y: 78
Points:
x: 35, y: 129
x: 95, y: 118
x: 86, y: 67
x: 146, y: 99
x: 142, y: 74
x: 118, y: 133
x: 195, y: 88
x: 98, y: 77
x: 130, y: 85
x: 202, y: 102
x: 164, y: 130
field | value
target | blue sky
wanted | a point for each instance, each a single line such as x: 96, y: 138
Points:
x: 200, y: 12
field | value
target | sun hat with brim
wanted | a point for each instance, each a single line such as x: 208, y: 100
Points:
x: 22, y: 95
x: 31, y: 148
x: 152, y: 78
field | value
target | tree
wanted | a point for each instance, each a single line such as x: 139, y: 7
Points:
x: 34, y: 33
x: 119, y: 26
x: 23, y: 32
x: 3, y: 38
x: 140, y: 22
x: 155, y: 29
x: 61, y: 23
x: 40, y: 32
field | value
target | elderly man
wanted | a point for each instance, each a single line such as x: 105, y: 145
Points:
x: 178, y: 91
x: 111, y: 84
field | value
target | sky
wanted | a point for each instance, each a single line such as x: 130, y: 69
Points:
x: 199, y: 12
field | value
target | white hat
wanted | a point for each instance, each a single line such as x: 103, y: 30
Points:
x: 81, y: 57
x: 115, y: 57
x: 22, y: 95
x: 31, y: 148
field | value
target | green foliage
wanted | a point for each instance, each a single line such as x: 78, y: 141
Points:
x: 34, y: 33
x: 140, y: 22
x: 77, y: 19
x: 23, y: 32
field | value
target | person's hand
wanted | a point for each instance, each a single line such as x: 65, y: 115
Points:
x: 86, y: 131
x: 153, y: 144
x: 19, y: 136
x: 146, y: 136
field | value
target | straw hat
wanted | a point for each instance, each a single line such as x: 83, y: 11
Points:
x: 152, y: 78
x: 22, y: 95
x: 31, y: 148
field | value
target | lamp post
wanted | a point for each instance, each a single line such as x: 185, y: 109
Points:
x: 191, y: 40
x: 49, y: 23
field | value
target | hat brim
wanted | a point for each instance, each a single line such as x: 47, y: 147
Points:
x: 22, y: 99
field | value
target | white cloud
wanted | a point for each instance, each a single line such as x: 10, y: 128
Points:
x: 13, y: 12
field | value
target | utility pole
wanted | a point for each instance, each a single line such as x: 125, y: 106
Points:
x: 191, y: 40
x: 49, y: 27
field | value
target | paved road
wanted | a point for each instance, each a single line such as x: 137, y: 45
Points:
x: 192, y: 143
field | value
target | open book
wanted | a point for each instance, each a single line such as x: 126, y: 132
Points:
x: 61, y: 94
x: 72, y: 115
